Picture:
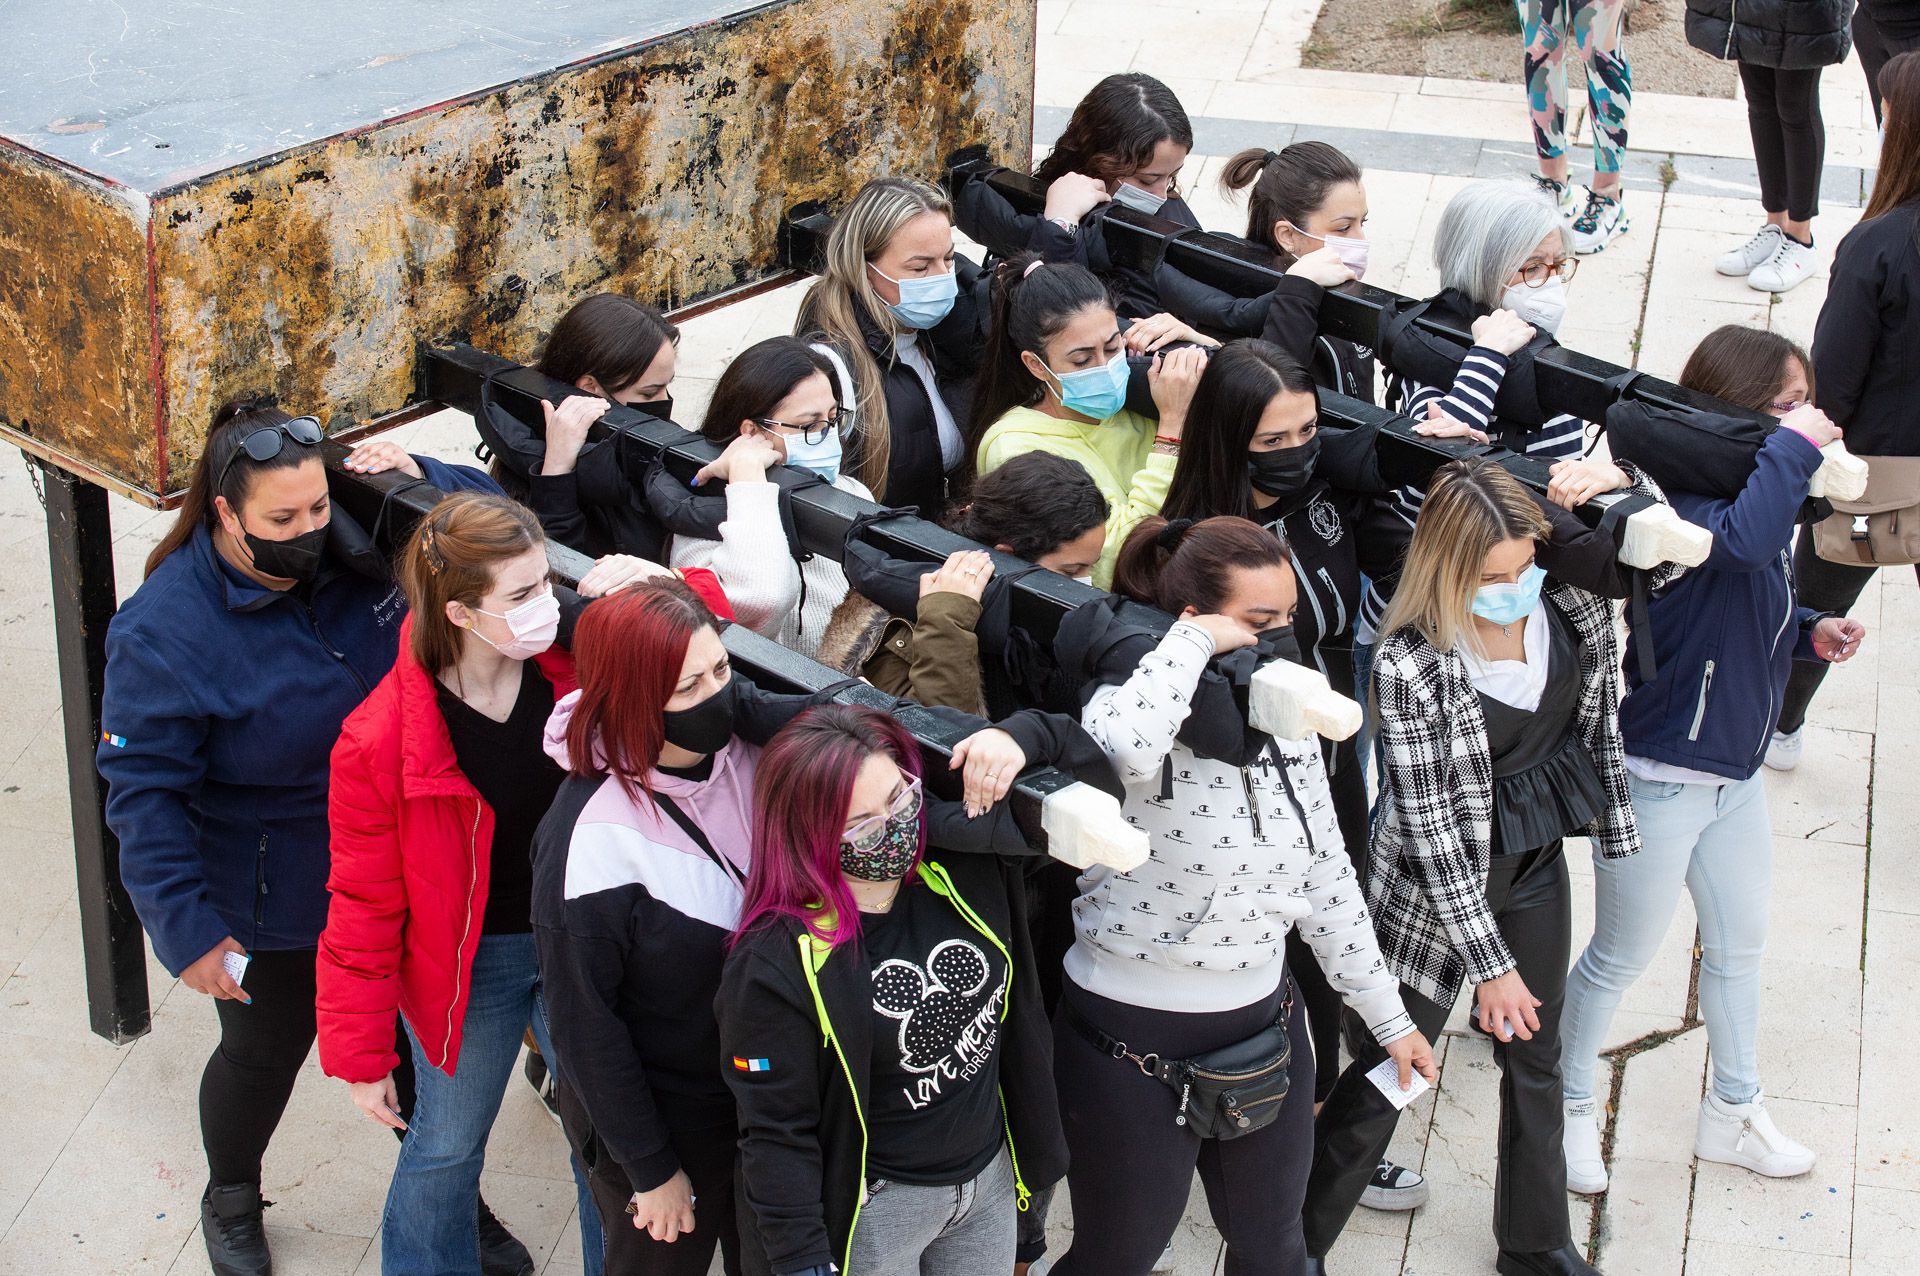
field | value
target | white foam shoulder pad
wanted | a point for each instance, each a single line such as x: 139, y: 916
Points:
x: 1084, y: 827
x: 1292, y: 702
x: 1842, y: 476
x: 1657, y: 535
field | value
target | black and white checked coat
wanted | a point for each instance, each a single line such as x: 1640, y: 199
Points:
x: 1432, y: 831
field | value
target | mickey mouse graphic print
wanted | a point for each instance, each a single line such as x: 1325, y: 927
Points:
x: 939, y: 991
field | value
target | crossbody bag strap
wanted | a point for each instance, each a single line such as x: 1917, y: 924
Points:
x: 692, y: 830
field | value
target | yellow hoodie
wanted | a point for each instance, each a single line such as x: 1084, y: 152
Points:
x: 1117, y: 452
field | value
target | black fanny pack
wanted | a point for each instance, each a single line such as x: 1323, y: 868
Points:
x: 1224, y: 1093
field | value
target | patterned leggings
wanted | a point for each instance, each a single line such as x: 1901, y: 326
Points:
x: 1594, y: 27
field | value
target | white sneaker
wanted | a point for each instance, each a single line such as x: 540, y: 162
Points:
x: 1791, y: 262
x: 1164, y: 1263
x: 1580, y: 1138
x: 1743, y: 1134
x: 1740, y: 262
x: 1561, y: 193
x: 1604, y: 218
x: 1783, y: 750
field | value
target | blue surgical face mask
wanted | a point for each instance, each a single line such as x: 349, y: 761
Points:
x: 1504, y: 604
x: 1096, y: 392
x: 822, y: 458
x: 924, y: 299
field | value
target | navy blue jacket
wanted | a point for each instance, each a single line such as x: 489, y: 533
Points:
x: 222, y: 701
x: 1725, y: 634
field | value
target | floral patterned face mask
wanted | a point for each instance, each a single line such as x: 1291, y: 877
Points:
x: 881, y: 848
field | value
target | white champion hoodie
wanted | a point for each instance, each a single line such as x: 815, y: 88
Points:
x: 1239, y: 855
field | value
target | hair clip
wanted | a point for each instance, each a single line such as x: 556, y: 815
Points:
x: 430, y: 552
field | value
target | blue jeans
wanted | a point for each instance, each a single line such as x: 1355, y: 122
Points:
x: 1363, y: 691
x: 428, y: 1228
x: 1716, y: 839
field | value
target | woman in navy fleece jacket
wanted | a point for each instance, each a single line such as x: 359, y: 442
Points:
x: 1724, y: 635
x: 265, y: 618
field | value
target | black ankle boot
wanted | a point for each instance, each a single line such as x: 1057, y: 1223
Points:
x: 1565, y: 1261
x: 231, y: 1223
x: 1316, y: 1266
x: 500, y: 1253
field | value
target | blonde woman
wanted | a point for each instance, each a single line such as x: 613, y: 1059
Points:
x: 899, y: 313
x: 1498, y: 708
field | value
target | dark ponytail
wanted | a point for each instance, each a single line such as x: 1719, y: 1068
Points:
x: 608, y: 337
x: 1289, y: 185
x: 1030, y: 302
x: 1181, y: 564
x: 231, y: 423
x: 1115, y: 128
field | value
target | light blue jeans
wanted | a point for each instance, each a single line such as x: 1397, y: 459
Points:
x: 429, y: 1229
x: 909, y: 1230
x: 1718, y: 842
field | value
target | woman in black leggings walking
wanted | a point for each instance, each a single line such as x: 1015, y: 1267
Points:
x: 1780, y: 46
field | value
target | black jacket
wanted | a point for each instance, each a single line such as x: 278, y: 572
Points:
x: 1788, y: 35
x: 1897, y: 19
x: 806, y: 1014
x: 1866, y: 346
x: 985, y: 216
x: 1289, y: 316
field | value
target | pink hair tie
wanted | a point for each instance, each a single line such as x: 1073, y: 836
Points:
x: 1032, y: 266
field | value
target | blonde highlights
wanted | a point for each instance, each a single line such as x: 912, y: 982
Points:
x: 1471, y: 507
x: 844, y: 291
x: 451, y: 557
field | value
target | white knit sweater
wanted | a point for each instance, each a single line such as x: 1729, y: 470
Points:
x: 770, y: 594
x: 1238, y: 856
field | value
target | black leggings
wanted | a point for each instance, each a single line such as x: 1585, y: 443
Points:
x: 1132, y: 1167
x: 1532, y: 904
x: 1324, y: 1006
x: 250, y: 1076
x: 1876, y: 48
x: 1789, y: 138
x: 708, y: 1158
x: 1823, y: 586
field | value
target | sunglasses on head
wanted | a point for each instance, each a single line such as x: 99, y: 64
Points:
x: 262, y: 443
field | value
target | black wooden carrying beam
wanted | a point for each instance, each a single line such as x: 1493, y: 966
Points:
x: 1569, y: 381
x: 394, y: 503
x: 821, y: 514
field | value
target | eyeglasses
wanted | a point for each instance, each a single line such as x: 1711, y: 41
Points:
x: 263, y: 444
x: 813, y: 431
x: 868, y: 833
x: 1536, y: 273
x: 1784, y: 408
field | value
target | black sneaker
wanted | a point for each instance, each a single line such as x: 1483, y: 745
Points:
x: 230, y: 1220
x: 500, y: 1253
x: 540, y: 1077
x: 1394, y: 1188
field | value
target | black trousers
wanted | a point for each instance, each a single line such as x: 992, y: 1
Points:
x: 1789, y: 137
x: 250, y: 1075
x: 1131, y: 1167
x: 1532, y: 904
x: 708, y: 1158
x: 1823, y: 586
x: 1325, y: 1010
x: 1876, y: 47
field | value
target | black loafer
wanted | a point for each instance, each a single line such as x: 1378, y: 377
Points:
x: 500, y: 1253
x: 1565, y: 1261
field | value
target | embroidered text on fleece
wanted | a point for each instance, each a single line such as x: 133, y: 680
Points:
x: 1239, y: 855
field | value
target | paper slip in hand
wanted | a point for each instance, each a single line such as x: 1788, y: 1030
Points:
x: 1387, y: 1078
x: 235, y: 964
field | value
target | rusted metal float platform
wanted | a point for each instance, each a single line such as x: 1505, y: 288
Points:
x: 199, y: 199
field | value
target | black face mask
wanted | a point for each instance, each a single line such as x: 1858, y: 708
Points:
x: 297, y: 559
x: 1284, y: 471
x: 1280, y: 641
x: 706, y: 727
x: 659, y: 409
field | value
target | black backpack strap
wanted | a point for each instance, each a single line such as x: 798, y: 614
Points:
x: 1613, y: 525
x: 692, y: 830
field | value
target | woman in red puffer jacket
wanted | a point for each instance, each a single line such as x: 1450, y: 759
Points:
x: 438, y: 782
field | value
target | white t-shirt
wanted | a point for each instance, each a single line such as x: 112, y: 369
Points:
x: 907, y: 346
x: 1515, y: 682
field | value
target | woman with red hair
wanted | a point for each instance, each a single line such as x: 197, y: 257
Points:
x: 912, y: 1142
x: 640, y: 870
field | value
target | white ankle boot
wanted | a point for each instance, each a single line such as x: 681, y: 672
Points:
x: 1580, y: 1137
x: 1743, y: 1134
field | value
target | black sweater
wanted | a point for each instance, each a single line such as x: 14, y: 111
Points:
x: 1289, y: 317
x: 1866, y: 346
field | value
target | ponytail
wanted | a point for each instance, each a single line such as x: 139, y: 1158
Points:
x: 233, y: 421
x: 1289, y: 185
x: 1030, y: 301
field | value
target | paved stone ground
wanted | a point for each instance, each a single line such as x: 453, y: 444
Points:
x: 102, y: 1171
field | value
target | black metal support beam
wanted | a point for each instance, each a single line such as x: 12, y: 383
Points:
x: 396, y: 503
x: 80, y: 556
x: 1570, y: 381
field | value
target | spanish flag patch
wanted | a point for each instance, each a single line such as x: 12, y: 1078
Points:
x: 752, y: 1065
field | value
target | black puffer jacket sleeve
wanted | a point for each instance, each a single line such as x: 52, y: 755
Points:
x: 1220, y: 315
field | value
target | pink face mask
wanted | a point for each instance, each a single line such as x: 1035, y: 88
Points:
x: 534, y: 624
x: 1351, y: 252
